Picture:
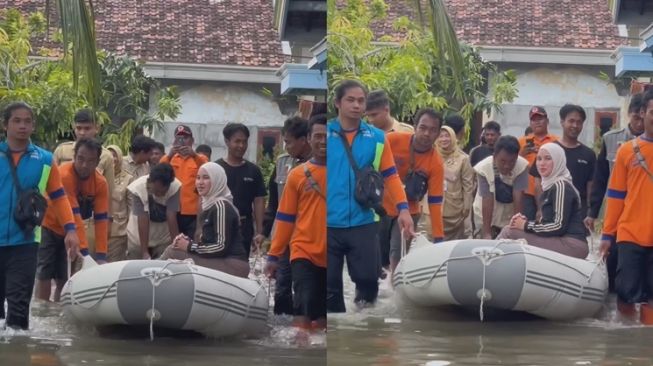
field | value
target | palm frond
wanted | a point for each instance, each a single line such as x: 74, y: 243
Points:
x: 446, y: 41
x: 78, y: 30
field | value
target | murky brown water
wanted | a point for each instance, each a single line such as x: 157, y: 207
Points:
x: 392, y: 333
x: 56, y: 340
x: 397, y: 333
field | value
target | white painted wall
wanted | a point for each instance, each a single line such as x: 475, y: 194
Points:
x: 208, y: 107
x: 552, y: 87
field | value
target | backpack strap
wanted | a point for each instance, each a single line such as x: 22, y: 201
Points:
x: 14, y: 175
x: 312, y: 181
x: 640, y: 158
x: 350, y: 155
x: 411, y: 161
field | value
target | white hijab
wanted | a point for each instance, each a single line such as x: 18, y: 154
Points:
x: 560, y: 171
x: 219, y: 189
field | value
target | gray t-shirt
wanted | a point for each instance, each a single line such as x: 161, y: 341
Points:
x: 138, y: 208
x: 519, y: 184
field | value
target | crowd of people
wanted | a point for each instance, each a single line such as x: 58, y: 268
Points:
x: 84, y: 199
x: 361, y: 204
x: 385, y: 176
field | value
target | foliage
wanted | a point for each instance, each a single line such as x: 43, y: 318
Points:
x: 266, y: 163
x: 47, y: 84
x: 417, y: 70
x: 126, y: 90
x: 77, y: 25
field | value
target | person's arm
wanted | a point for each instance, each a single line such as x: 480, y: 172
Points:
x: 273, y: 204
x: 259, y: 207
x: 101, y: 217
x: 468, y: 177
x: 434, y: 199
x: 144, y: 233
x: 143, y: 221
x: 59, y: 200
x: 519, y: 185
x: 61, y: 204
x: 106, y: 168
x: 285, y: 218
x: 216, y: 246
x: 172, y: 209
x: 599, y: 183
x: 616, y: 195
x: 563, y: 198
x: 487, y: 206
x: 393, y: 185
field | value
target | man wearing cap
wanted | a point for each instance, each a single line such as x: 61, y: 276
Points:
x: 185, y: 162
x: 529, y: 145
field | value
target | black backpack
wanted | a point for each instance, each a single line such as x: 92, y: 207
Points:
x: 30, y: 205
x: 502, y: 191
x: 416, y: 183
x: 369, y: 183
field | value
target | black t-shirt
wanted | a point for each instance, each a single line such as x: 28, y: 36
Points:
x: 581, y: 161
x: 245, y: 183
x: 479, y: 153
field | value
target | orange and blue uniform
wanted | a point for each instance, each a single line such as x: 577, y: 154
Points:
x: 430, y: 163
x: 301, y: 217
x: 95, y: 186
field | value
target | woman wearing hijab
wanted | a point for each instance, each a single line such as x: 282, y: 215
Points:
x: 220, y: 244
x: 459, y: 185
x: 561, y: 228
x: 117, y: 249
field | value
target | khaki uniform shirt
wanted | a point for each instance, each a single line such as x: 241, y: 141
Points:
x: 135, y: 170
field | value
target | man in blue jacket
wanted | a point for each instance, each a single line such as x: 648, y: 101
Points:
x: 35, y: 169
x: 352, y: 230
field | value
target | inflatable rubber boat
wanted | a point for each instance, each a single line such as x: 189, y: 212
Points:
x: 167, y: 294
x: 501, y: 274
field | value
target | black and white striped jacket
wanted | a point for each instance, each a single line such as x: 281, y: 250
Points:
x: 561, y: 213
x: 220, y: 233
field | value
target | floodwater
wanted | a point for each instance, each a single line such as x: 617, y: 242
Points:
x: 54, y: 340
x: 397, y: 333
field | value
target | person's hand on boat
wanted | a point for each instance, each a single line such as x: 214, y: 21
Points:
x: 589, y: 223
x: 181, y: 242
x: 518, y: 222
x: 146, y: 255
x: 406, y: 223
x: 101, y: 261
x: 71, y: 241
x: 604, y: 248
x: 270, y: 269
x: 258, y: 242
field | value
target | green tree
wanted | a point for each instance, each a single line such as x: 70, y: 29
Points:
x: 47, y: 84
x: 418, y: 70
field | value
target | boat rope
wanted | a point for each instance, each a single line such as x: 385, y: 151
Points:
x: 483, y: 293
x: 154, y: 277
x: 152, y: 309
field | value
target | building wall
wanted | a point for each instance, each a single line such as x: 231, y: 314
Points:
x: 208, y: 107
x: 552, y: 86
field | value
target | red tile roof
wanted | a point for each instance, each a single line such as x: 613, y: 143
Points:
x: 225, y: 32
x: 524, y: 23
